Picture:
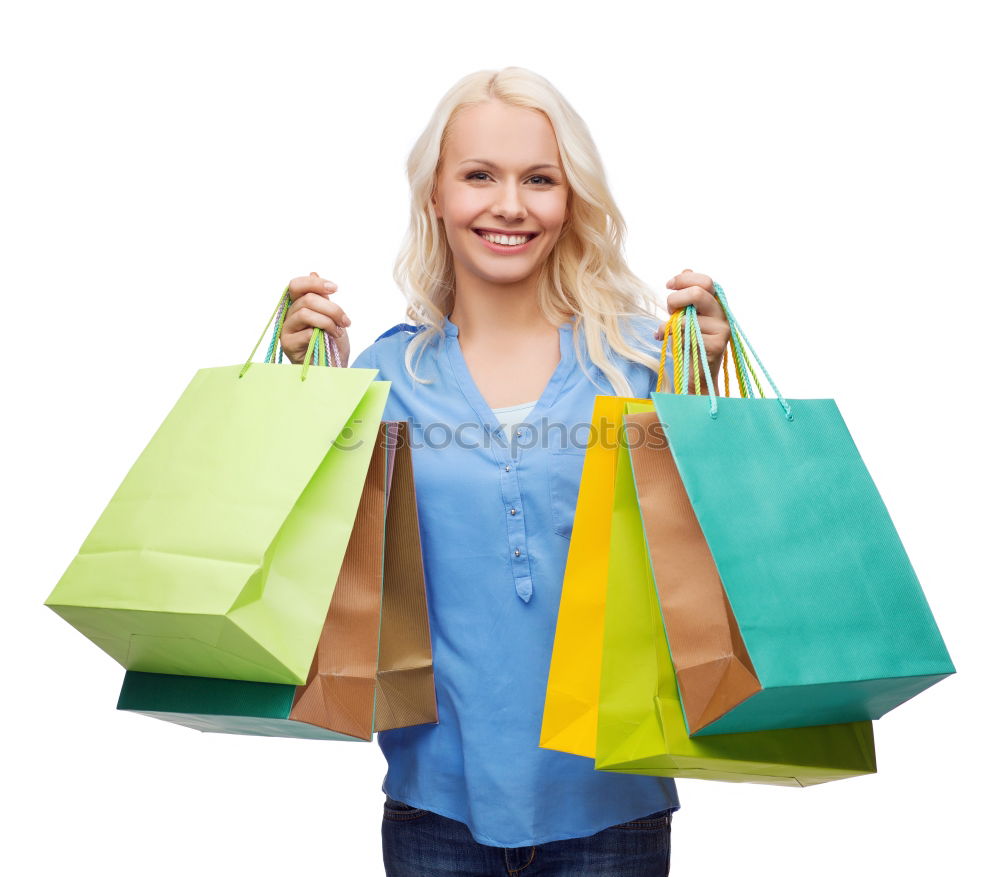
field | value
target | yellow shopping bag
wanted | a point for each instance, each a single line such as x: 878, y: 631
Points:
x: 569, y: 719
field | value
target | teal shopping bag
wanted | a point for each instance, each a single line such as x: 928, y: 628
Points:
x: 828, y: 620
x: 640, y: 726
x: 218, y: 553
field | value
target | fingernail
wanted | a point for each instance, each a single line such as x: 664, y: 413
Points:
x: 329, y: 285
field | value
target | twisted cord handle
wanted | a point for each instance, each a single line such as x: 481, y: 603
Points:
x: 713, y: 408
x: 675, y: 328
x: 319, y: 354
x: 286, y: 302
x: 663, y: 353
x: 692, y: 321
x: 674, y: 332
x: 689, y: 351
x: 737, y: 331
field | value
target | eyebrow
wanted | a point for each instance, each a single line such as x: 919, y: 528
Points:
x: 534, y: 167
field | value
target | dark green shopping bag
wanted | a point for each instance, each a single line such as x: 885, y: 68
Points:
x: 826, y: 621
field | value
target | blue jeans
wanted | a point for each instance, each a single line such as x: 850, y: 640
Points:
x: 419, y: 843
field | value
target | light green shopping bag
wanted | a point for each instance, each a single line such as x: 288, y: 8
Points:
x: 218, y: 554
x: 640, y: 725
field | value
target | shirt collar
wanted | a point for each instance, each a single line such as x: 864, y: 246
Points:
x: 489, y: 419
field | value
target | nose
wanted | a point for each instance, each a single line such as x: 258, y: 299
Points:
x: 509, y: 204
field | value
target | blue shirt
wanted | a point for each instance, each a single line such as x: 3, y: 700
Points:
x: 495, y: 520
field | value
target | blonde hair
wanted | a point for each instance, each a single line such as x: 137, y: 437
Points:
x: 585, y: 274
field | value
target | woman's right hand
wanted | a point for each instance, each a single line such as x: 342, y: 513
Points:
x: 311, y: 308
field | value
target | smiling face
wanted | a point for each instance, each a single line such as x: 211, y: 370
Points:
x: 501, y: 172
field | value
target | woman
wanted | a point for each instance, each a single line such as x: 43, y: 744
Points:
x: 524, y: 309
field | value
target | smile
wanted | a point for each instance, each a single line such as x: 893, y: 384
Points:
x: 506, y: 243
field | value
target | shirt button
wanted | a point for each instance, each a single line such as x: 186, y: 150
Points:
x: 517, y: 552
x: 518, y: 433
x: 506, y: 468
x: 513, y: 511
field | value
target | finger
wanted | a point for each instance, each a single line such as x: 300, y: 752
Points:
x: 319, y: 303
x: 299, y: 286
x: 687, y: 277
x: 298, y: 341
x: 309, y: 319
x: 713, y: 326
x: 344, y: 346
x: 705, y: 303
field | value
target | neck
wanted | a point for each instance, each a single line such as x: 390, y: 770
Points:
x: 498, y: 312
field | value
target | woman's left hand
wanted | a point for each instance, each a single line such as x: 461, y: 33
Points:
x: 698, y: 290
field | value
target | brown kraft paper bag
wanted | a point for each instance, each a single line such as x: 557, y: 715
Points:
x: 713, y: 667
x: 373, y: 667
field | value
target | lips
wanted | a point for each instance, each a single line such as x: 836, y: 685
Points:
x: 528, y: 234
x: 507, y: 249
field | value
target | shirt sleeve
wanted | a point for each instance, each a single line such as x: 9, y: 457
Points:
x: 366, y: 359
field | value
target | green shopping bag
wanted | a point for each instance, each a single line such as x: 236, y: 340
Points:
x: 218, y: 554
x: 826, y: 621
x: 640, y: 726
x: 373, y: 667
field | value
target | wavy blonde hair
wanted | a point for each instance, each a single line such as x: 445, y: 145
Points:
x: 585, y: 274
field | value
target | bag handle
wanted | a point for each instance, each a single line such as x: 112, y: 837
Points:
x: 316, y: 353
x: 689, y: 350
x: 675, y: 330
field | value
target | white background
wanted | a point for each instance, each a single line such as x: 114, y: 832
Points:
x: 168, y: 167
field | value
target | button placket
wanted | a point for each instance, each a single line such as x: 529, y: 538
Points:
x: 511, y: 494
x: 516, y: 531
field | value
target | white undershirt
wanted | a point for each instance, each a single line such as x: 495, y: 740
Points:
x: 512, y: 415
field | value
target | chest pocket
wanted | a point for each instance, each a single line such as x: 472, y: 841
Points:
x: 565, y: 469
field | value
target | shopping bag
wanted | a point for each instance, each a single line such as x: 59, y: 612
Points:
x: 218, y: 554
x: 372, y: 670
x: 569, y: 716
x: 686, y: 577
x: 640, y: 727
x: 815, y: 614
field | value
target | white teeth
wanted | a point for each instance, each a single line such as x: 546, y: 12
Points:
x: 508, y: 240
